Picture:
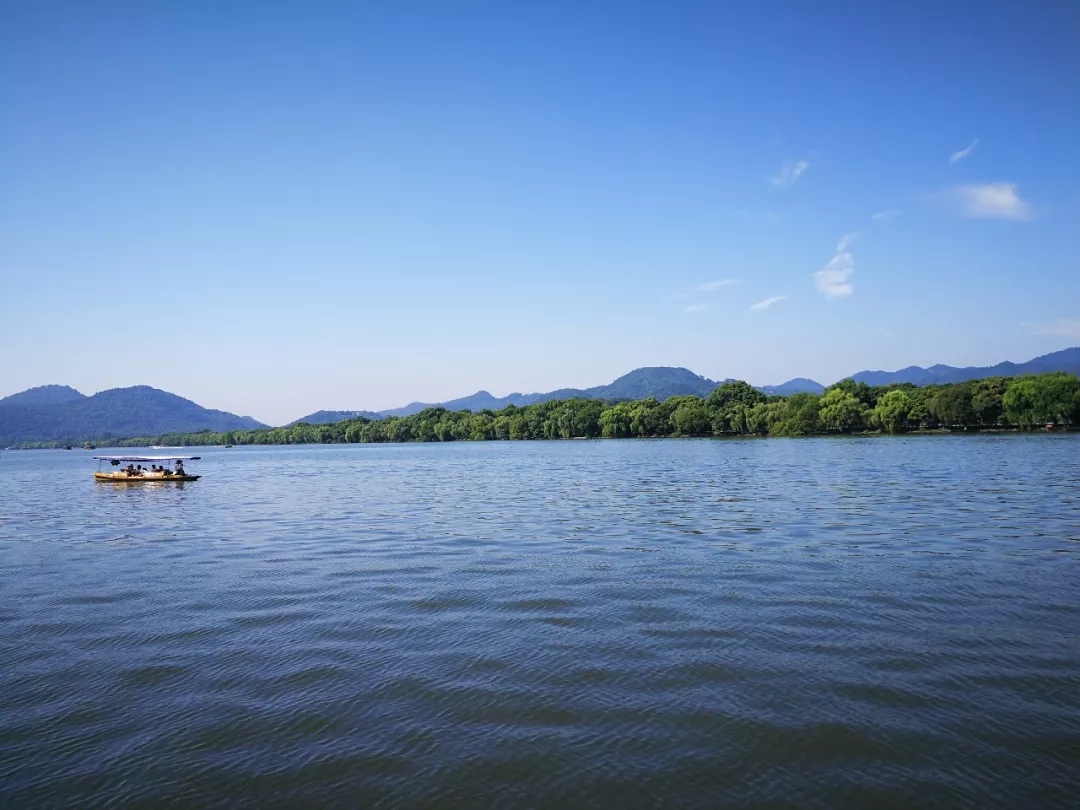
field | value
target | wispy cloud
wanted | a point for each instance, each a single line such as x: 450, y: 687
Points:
x: 1063, y: 327
x: 884, y: 216
x: 789, y: 172
x: 768, y: 302
x: 711, y: 286
x: 834, y: 279
x: 963, y: 153
x: 845, y: 240
x: 989, y: 201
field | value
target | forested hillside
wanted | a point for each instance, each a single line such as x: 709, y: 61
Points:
x: 140, y: 410
x: 44, y: 395
x: 732, y: 409
x: 660, y: 382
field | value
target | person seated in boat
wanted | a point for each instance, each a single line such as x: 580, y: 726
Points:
x: 130, y: 469
x: 165, y: 471
x: 179, y: 468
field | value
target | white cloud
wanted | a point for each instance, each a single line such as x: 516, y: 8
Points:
x: 845, y: 241
x: 963, y: 153
x: 1063, y: 327
x: 989, y: 201
x: 710, y: 286
x: 834, y: 279
x: 768, y: 302
x: 695, y: 308
x: 789, y: 172
x: 883, y: 216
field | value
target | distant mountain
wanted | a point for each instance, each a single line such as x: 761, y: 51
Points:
x: 137, y: 411
x: 329, y: 417
x: 44, y: 395
x: 1065, y: 360
x: 660, y: 382
x: 474, y: 402
x: 800, y: 385
x: 665, y: 381
x: 58, y: 412
x: 657, y: 381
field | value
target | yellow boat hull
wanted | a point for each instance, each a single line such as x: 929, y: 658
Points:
x: 124, y: 478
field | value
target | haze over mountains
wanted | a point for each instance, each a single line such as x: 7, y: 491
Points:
x: 57, y: 413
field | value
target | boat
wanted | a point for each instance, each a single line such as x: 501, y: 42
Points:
x: 163, y: 469
x: 166, y: 447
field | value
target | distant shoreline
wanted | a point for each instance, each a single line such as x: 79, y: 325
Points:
x: 860, y: 434
x: 1037, y: 403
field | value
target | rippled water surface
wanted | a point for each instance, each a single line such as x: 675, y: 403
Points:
x: 815, y: 623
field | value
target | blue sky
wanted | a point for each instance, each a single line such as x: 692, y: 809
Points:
x: 276, y: 208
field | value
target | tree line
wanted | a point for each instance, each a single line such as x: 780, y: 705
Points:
x: 732, y: 409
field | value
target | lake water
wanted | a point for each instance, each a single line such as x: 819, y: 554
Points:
x: 817, y: 623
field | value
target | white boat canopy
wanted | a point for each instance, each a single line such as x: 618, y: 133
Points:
x: 148, y: 458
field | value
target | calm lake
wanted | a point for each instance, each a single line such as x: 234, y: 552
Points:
x: 825, y: 623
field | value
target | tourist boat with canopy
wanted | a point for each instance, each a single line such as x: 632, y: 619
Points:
x: 162, y: 468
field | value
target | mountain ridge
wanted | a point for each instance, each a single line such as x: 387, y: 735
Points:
x: 1064, y: 360
x: 138, y: 410
x: 329, y: 417
x: 44, y: 395
x: 60, y: 412
x: 797, y: 385
x: 939, y: 374
x: 648, y: 381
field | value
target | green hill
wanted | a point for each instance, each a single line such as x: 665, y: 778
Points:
x: 50, y: 413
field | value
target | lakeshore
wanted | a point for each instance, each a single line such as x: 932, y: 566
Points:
x: 734, y: 409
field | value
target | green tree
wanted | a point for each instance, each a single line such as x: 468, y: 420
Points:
x: 1042, y: 399
x: 690, y: 418
x: 891, y: 413
x: 615, y: 422
x: 987, y: 400
x: 799, y: 417
x: 842, y: 411
x: 730, y: 393
x: 647, y: 418
x: 860, y: 390
x: 729, y: 405
x: 951, y: 405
